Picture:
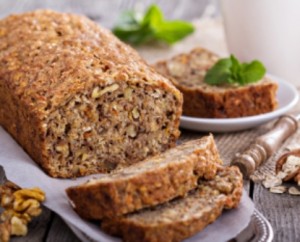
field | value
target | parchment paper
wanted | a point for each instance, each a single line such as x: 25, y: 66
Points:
x: 21, y: 170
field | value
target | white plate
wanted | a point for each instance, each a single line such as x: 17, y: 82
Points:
x: 287, y: 98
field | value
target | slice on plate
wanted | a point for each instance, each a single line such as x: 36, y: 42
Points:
x: 187, y: 72
x: 183, y: 217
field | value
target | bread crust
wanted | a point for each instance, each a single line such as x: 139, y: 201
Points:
x: 175, y: 231
x: 187, y: 72
x: 151, y: 182
x: 181, y: 218
x: 49, y: 59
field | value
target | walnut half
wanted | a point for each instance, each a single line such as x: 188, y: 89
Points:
x: 20, y: 206
x: 288, y: 166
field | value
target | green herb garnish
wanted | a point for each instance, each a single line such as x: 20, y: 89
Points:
x: 231, y: 71
x: 136, y: 28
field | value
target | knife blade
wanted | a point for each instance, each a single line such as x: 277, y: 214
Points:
x: 3, y: 178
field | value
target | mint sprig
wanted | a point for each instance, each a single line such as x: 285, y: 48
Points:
x: 231, y: 71
x: 136, y: 28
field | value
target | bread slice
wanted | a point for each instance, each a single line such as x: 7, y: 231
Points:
x: 187, y: 72
x: 183, y: 217
x: 77, y: 99
x: 151, y: 182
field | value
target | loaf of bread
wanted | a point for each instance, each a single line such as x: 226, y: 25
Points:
x: 183, y: 217
x: 77, y: 99
x: 154, y: 181
x: 187, y: 72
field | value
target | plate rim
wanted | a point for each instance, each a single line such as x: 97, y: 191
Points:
x: 255, y: 118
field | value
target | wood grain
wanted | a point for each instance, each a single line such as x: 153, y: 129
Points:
x: 282, y: 210
x: 59, y: 231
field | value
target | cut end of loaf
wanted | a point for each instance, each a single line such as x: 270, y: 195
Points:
x: 77, y: 99
x: 111, y: 126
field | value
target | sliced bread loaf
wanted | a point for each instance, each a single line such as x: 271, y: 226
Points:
x: 151, y: 182
x: 187, y: 72
x: 183, y: 217
x: 77, y: 99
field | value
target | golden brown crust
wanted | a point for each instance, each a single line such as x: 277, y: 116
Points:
x: 151, y: 182
x: 181, y: 218
x: 46, y: 60
x: 187, y: 72
x: 60, y: 55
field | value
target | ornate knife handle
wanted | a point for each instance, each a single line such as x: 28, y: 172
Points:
x: 265, y: 145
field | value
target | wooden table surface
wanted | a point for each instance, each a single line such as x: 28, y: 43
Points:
x: 281, y: 210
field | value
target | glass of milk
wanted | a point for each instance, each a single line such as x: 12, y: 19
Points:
x: 267, y: 30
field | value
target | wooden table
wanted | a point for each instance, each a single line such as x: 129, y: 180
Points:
x: 281, y: 210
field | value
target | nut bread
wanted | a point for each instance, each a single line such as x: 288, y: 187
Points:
x: 77, y: 99
x: 183, y: 217
x: 187, y: 72
x: 154, y: 181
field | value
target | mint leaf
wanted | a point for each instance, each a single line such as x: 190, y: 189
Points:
x: 131, y: 30
x: 220, y: 73
x: 252, y: 72
x: 153, y: 16
x: 231, y: 71
x: 173, y: 31
x: 134, y: 36
x: 128, y: 20
x: 136, y: 29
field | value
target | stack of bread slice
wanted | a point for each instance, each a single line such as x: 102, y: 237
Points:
x: 171, y: 196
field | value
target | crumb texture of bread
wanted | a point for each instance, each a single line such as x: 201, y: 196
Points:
x: 77, y: 99
x: 182, y: 217
x: 187, y: 72
x: 154, y: 181
x: 228, y: 181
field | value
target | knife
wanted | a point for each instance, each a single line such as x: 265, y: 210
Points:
x: 3, y: 178
x: 5, y: 182
x: 264, y: 146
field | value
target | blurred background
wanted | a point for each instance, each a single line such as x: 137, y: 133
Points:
x: 266, y: 30
x: 106, y: 11
x: 204, y: 15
